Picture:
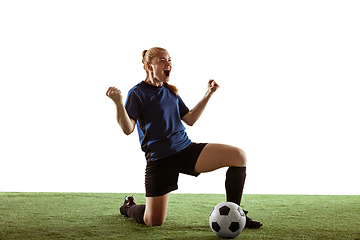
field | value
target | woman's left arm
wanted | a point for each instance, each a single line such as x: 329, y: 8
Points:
x: 193, y: 115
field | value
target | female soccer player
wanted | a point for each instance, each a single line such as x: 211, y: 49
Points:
x: 157, y: 110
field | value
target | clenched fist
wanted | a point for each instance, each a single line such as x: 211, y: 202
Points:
x: 212, y: 86
x: 114, y: 94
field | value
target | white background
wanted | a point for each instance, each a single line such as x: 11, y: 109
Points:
x: 289, y: 91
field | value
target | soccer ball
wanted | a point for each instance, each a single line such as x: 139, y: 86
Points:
x: 227, y: 220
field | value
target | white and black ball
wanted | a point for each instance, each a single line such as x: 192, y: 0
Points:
x: 227, y: 220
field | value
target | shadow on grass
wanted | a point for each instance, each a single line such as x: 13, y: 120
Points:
x: 120, y: 227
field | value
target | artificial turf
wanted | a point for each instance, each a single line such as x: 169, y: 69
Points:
x: 96, y: 216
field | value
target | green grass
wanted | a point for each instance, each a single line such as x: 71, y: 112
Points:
x: 96, y: 216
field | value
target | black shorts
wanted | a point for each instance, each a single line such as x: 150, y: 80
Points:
x: 161, y: 176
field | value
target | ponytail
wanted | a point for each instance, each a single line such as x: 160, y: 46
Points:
x: 173, y: 89
x: 144, y: 59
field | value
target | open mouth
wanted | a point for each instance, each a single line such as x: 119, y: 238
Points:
x: 167, y: 73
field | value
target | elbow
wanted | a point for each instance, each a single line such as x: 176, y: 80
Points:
x: 128, y: 131
x: 127, y: 128
x: 189, y: 119
x: 187, y: 122
x: 191, y: 124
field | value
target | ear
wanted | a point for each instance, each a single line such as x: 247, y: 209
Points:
x: 149, y: 67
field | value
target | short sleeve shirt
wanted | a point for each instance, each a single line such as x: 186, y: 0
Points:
x: 158, y: 112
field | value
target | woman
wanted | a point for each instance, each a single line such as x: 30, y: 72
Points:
x: 157, y: 110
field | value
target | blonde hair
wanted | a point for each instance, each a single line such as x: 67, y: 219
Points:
x: 148, y: 56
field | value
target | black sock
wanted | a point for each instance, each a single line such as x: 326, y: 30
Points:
x: 136, y: 212
x: 234, y: 184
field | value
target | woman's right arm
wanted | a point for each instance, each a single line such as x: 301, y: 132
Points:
x: 126, y: 123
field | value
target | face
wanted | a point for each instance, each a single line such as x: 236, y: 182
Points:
x: 161, y: 67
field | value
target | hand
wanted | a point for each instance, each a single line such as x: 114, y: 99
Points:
x: 212, y: 86
x: 114, y: 94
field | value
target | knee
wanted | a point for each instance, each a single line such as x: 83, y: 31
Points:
x: 240, y: 158
x: 152, y: 222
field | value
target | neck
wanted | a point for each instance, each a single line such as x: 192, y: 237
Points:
x: 153, y: 81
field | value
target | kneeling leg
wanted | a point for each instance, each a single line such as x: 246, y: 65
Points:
x: 156, y: 209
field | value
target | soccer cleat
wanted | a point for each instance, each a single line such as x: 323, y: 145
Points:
x: 128, y: 201
x: 252, y: 224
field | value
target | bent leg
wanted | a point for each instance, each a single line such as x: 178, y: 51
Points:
x: 156, y: 209
x: 215, y: 156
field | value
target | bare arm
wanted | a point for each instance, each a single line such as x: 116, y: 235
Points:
x: 193, y: 115
x: 126, y: 123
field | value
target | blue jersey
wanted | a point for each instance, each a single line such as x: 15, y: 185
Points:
x: 158, y: 112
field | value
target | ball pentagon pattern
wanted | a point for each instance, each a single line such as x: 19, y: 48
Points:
x: 227, y: 220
